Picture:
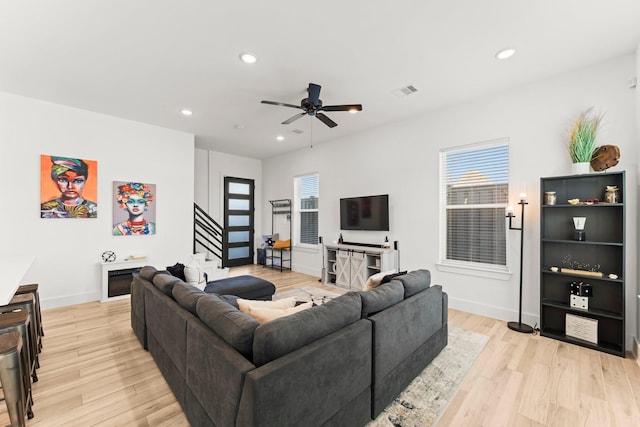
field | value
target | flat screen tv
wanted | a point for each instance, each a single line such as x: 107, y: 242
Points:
x: 365, y: 213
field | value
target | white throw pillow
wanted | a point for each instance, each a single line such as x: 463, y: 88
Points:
x: 194, y: 275
x: 245, y: 304
x: 263, y: 314
x: 374, y: 280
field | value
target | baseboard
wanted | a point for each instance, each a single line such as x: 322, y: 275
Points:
x: 492, y: 311
x: 68, y: 300
x: 636, y: 350
x: 311, y: 271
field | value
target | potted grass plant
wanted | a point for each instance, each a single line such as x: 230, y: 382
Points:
x: 582, y: 140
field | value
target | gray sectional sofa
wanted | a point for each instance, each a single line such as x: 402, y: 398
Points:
x: 338, y: 364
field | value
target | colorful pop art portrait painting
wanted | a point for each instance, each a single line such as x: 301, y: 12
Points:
x: 134, y: 211
x: 68, y: 187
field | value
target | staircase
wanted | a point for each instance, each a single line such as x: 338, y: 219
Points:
x: 208, y: 238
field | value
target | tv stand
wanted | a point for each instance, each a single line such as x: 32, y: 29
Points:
x: 349, y: 265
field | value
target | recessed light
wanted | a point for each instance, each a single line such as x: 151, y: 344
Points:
x: 280, y: 138
x: 239, y: 126
x: 248, y: 58
x: 186, y: 112
x: 505, y: 53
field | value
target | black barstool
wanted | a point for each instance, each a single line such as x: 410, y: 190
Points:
x: 18, y: 321
x: 33, y: 289
x: 26, y: 302
x: 11, y: 377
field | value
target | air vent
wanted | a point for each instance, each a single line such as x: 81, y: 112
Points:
x: 404, y: 91
x: 298, y: 131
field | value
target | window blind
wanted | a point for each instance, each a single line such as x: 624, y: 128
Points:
x: 307, y: 197
x: 474, y: 189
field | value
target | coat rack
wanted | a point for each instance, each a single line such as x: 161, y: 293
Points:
x: 519, y: 326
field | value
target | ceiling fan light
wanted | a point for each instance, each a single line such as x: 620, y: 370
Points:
x: 248, y: 58
x: 280, y: 138
x: 186, y: 112
x: 506, y: 53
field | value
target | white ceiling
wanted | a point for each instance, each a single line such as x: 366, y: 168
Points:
x: 145, y: 60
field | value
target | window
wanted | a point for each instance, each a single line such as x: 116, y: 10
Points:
x: 474, y: 189
x: 306, y: 196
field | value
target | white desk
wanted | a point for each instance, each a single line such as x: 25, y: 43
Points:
x: 13, y: 270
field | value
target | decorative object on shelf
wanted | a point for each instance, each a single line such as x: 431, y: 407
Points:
x: 581, y: 303
x: 554, y: 269
x: 582, y: 140
x: 108, y: 256
x: 581, y: 289
x: 604, y: 157
x: 613, y: 276
x: 386, y: 243
x: 582, y: 328
x: 340, y: 239
x: 519, y: 326
x: 550, y: 198
x: 578, y: 223
x: 577, y: 267
x: 612, y: 194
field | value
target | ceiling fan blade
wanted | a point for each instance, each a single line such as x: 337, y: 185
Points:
x: 314, y: 94
x: 281, y: 104
x: 348, y: 107
x: 326, y: 120
x: 293, y: 119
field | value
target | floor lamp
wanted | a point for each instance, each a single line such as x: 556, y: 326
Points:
x: 519, y: 326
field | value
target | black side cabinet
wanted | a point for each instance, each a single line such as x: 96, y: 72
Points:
x: 594, y: 259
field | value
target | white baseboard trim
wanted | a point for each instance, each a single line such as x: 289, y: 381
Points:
x: 311, y: 271
x: 69, y: 300
x: 635, y: 350
x: 493, y: 312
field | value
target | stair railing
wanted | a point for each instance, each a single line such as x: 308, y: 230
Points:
x: 207, y: 233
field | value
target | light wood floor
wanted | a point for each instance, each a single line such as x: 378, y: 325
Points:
x: 95, y: 373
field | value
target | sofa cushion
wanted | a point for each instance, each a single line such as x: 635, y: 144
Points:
x: 286, y: 334
x: 147, y: 272
x: 390, y: 277
x: 376, y: 279
x: 187, y: 296
x: 382, y: 297
x: 232, y: 325
x: 266, y: 314
x: 246, y: 304
x: 165, y: 283
x: 195, y: 275
x: 415, y: 282
x: 177, y: 270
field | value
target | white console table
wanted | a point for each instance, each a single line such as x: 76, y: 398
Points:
x: 115, y: 266
x: 13, y: 270
x: 349, y: 266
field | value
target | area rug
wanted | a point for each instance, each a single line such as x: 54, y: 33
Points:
x: 426, y: 398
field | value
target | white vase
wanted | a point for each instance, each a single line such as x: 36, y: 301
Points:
x: 580, y: 168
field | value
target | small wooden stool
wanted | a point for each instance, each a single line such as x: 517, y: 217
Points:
x: 11, y: 376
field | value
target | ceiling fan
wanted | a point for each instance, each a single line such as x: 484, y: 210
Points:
x: 312, y: 106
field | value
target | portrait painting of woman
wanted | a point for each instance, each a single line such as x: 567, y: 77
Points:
x: 67, y: 187
x: 133, y: 212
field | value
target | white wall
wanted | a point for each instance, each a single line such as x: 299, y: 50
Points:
x: 402, y: 160
x: 211, y: 169
x: 637, y: 258
x: 67, y: 251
